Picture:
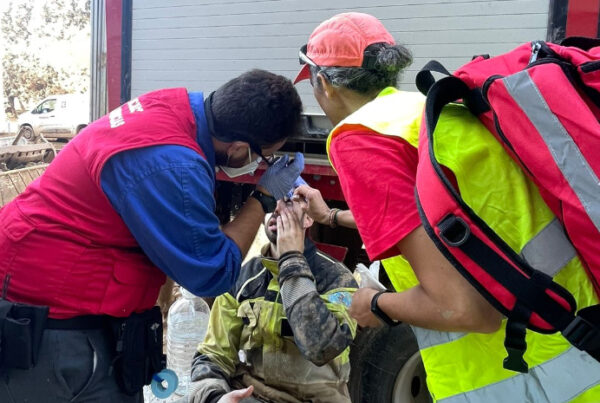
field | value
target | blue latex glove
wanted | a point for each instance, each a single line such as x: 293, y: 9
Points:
x: 279, y: 178
x: 297, y: 183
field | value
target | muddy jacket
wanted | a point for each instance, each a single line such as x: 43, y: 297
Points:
x: 290, y: 354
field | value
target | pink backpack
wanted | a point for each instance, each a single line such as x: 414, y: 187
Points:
x: 542, y: 102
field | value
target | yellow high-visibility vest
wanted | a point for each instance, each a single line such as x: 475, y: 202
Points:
x: 467, y: 367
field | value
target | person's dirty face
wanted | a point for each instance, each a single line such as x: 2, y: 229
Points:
x: 298, y: 206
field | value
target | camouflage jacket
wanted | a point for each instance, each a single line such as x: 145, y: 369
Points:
x: 296, y: 353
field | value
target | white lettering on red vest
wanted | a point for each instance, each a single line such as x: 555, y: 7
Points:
x: 116, y: 118
x: 135, y: 106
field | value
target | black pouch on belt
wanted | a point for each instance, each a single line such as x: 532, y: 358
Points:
x: 21, y: 330
x: 139, y: 353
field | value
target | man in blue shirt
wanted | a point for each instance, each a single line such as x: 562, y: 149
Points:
x: 208, y: 264
x: 127, y: 201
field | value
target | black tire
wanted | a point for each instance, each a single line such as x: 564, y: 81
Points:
x: 377, y: 357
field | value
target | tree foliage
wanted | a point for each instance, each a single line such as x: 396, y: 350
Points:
x: 26, y: 26
x: 62, y: 18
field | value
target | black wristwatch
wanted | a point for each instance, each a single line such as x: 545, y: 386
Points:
x: 382, y: 316
x: 268, y: 203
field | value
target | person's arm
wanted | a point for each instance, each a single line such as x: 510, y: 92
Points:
x: 164, y: 195
x: 318, y: 333
x: 382, y: 200
x: 215, y: 362
x: 319, y: 211
x: 243, y: 228
x: 443, y: 300
x: 345, y: 218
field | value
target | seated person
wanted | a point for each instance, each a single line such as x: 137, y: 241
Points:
x: 283, y: 331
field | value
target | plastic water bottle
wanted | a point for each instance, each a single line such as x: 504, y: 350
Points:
x: 149, y: 396
x: 187, y: 323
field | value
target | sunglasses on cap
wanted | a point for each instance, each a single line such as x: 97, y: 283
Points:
x: 304, y: 59
x: 369, y: 59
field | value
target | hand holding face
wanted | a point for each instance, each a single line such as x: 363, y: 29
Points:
x: 317, y: 208
x: 361, y: 308
x: 290, y: 232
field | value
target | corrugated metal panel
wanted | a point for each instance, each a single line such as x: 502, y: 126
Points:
x: 98, y: 94
x: 202, y: 44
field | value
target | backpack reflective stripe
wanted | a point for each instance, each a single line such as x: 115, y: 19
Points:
x: 459, y: 363
x: 566, y: 154
x: 535, y: 111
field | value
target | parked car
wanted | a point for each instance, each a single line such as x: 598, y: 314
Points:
x: 57, y: 116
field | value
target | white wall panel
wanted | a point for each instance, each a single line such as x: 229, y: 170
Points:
x: 200, y: 44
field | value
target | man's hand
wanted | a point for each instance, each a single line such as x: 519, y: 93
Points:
x: 361, y: 308
x: 290, y: 233
x: 236, y: 395
x: 279, y: 178
x: 317, y: 208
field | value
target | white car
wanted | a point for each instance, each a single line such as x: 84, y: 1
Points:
x: 57, y: 116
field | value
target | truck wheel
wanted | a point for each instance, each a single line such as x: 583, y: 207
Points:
x: 386, y: 367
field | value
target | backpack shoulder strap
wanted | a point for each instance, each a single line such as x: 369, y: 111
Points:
x: 425, y: 80
x: 529, y: 298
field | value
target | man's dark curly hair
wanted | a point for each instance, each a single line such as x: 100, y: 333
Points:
x: 257, y: 106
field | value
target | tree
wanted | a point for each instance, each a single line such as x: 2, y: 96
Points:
x: 28, y: 30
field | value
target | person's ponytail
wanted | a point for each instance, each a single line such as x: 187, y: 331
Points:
x: 390, y: 60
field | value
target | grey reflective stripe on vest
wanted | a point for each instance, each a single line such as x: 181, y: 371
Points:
x: 565, y: 152
x: 550, y: 250
x: 558, y: 380
x: 428, y: 338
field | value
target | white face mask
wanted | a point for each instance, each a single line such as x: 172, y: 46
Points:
x: 243, y: 170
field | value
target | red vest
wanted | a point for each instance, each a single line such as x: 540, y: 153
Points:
x: 62, y: 243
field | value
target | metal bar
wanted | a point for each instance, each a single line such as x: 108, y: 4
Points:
x: 126, y: 38
x: 113, y: 19
x: 98, y: 101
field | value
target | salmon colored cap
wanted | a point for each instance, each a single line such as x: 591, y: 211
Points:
x: 341, y: 41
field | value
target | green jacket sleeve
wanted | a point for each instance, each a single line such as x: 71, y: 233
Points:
x: 217, y: 356
x: 322, y: 327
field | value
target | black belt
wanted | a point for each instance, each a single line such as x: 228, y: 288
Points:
x: 84, y: 322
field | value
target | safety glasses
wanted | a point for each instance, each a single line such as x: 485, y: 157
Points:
x: 369, y: 59
x: 269, y: 160
x: 304, y: 59
x: 255, y: 148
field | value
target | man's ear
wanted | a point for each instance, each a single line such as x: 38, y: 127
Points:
x: 237, y: 149
x: 325, y: 85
